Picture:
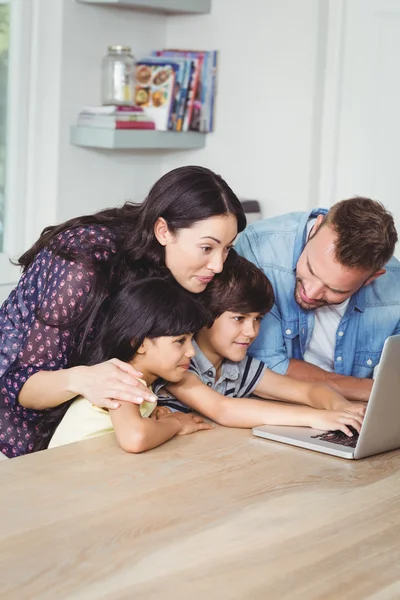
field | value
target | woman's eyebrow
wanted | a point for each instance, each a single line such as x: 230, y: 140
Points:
x: 210, y: 237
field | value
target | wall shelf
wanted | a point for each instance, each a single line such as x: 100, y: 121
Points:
x: 163, y: 6
x: 111, y: 139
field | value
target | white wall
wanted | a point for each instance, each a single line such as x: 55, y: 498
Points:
x: 91, y: 179
x: 269, y: 94
x: 268, y: 106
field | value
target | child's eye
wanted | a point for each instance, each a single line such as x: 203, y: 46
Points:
x: 181, y: 341
x: 239, y: 319
x: 258, y: 319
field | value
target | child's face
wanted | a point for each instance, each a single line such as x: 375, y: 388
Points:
x: 232, y: 333
x: 168, y: 357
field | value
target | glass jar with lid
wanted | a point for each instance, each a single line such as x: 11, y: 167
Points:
x: 118, y: 77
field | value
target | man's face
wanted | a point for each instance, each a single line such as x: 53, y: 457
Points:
x: 320, y: 279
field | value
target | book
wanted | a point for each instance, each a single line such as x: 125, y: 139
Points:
x: 111, y: 110
x: 116, y: 117
x: 155, y: 90
x: 179, y: 95
x: 115, y: 124
x: 193, y: 84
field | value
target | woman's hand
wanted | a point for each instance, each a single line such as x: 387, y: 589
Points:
x: 332, y: 420
x: 108, y: 383
x: 326, y: 397
x: 190, y: 422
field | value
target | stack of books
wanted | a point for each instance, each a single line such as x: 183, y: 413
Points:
x: 175, y: 91
x: 177, y: 88
x: 115, y: 117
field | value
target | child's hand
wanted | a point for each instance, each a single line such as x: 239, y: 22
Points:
x: 331, y: 420
x: 189, y: 422
x: 160, y: 412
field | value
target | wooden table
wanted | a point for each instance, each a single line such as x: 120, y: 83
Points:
x: 215, y: 515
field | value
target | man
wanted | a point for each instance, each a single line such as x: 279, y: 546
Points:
x: 337, y: 292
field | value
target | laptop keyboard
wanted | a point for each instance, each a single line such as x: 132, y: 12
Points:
x: 338, y: 437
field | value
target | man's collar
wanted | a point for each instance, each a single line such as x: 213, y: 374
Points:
x: 357, y: 300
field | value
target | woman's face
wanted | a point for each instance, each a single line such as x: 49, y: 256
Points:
x: 194, y: 255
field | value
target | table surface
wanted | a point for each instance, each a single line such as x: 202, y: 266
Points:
x: 218, y: 514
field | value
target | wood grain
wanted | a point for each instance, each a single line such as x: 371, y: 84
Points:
x: 218, y: 514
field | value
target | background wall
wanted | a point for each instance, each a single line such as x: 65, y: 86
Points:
x: 89, y: 179
x: 282, y: 135
x: 269, y: 95
x: 267, y: 120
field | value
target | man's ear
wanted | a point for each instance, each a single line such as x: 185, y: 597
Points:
x: 162, y: 233
x: 316, y: 226
x: 375, y: 276
x: 318, y: 223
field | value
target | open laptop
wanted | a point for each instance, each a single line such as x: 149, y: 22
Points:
x: 380, y: 430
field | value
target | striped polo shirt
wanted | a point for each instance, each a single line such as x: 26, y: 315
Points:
x: 237, y: 379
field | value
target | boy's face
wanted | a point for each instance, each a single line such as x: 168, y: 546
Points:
x: 232, y: 333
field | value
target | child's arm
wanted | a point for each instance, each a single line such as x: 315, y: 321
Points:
x: 247, y: 413
x: 317, y: 395
x: 136, y: 434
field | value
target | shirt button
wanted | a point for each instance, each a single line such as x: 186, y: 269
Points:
x: 210, y: 373
x: 369, y: 362
x: 288, y: 331
x: 209, y: 383
x: 341, y: 333
x: 339, y: 358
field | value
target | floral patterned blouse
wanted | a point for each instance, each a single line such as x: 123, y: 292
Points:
x: 52, y: 290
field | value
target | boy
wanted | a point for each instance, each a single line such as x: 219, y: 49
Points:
x: 222, y: 376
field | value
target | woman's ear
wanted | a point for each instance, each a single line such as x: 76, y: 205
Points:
x: 162, y: 233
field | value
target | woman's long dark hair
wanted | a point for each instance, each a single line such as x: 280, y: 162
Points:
x: 182, y: 197
x: 148, y: 308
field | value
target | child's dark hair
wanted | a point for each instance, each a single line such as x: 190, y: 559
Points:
x: 241, y: 287
x: 149, y: 308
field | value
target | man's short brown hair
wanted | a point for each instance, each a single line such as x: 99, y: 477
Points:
x: 241, y: 287
x: 366, y: 235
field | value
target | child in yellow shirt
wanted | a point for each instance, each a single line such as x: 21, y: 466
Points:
x: 150, y: 324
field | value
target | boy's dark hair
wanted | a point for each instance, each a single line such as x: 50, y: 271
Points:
x: 241, y: 287
x: 150, y: 308
x: 366, y: 235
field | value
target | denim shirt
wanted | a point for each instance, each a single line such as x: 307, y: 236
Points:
x: 372, y: 315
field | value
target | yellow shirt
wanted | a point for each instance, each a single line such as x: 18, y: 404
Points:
x: 84, y: 420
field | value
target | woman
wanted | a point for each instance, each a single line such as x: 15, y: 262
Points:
x: 184, y: 229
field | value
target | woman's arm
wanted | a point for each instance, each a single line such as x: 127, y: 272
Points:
x: 104, y: 385
x: 247, y: 413
x: 317, y: 395
x: 136, y: 434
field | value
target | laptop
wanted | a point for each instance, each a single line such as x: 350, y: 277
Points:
x: 380, y: 431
